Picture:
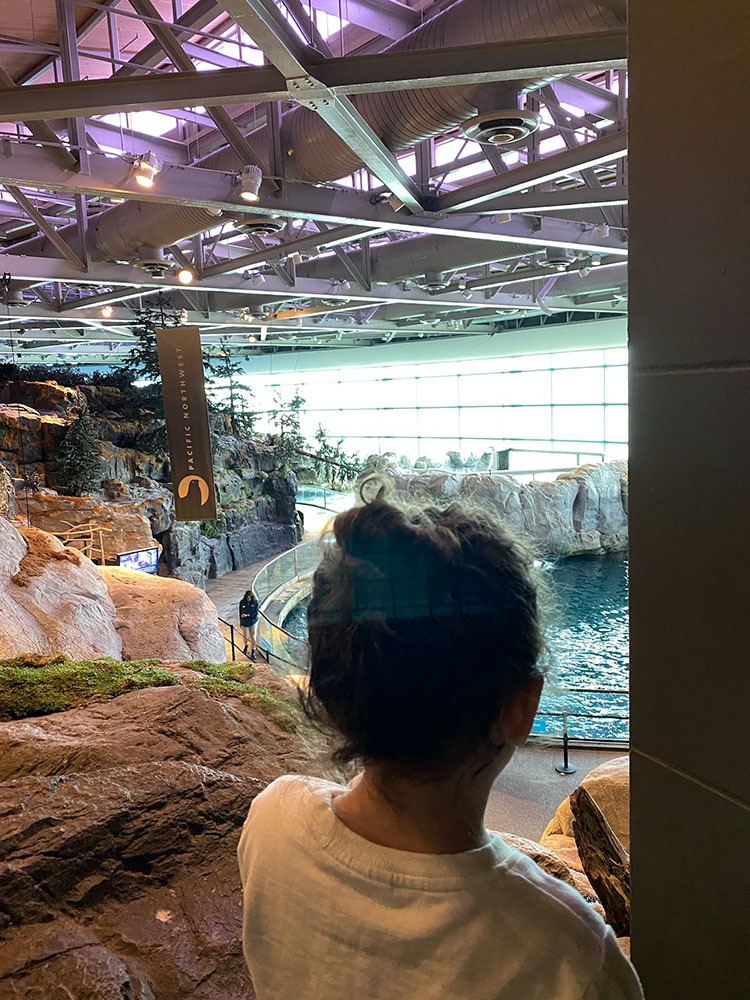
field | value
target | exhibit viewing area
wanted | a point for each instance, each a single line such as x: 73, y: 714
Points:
x: 373, y: 444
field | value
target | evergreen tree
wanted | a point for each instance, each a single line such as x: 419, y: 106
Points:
x: 143, y: 360
x: 79, y: 460
x: 225, y: 369
x: 289, y: 437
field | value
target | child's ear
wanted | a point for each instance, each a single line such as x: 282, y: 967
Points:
x: 517, y: 716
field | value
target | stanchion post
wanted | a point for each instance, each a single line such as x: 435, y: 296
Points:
x: 565, y: 767
x: 231, y: 639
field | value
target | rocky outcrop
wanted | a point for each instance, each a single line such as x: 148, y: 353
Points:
x: 609, y: 786
x: 251, y: 544
x: 182, y: 623
x: 52, y: 599
x: 582, y: 511
x: 118, y: 877
x: 124, y: 525
x: 7, y: 494
x: 253, y: 495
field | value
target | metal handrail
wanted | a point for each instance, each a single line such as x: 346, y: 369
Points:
x: 231, y: 639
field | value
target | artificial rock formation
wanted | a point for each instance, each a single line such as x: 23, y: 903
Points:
x: 256, y: 502
x: 609, y: 786
x: 180, y: 619
x: 53, y: 599
x: 582, y: 511
x: 118, y: 877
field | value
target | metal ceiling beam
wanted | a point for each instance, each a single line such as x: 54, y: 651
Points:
x: 25, y: 165
x: 556, y: 200
x: 85, y: 29
x: 46, y: 227
x: 570, y: 161
x: 42, y: 130
x: 169, y: 42
x: 399, y: 70
x: 315, y: 241
x: 562, y: 120
x: 41, y: 269
x: 265, y: 25
x: 384, y: 17
x: 199, y: 15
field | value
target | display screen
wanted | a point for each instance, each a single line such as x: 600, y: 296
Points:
x: 143, y: 559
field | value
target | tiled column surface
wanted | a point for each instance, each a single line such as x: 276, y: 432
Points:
x: 690, y: 496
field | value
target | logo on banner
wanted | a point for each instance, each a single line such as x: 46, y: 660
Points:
x: 183, y: 487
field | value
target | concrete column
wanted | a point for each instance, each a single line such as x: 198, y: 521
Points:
x: 690, y: 496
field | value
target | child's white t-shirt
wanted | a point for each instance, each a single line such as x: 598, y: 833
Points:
x: 329, y: 915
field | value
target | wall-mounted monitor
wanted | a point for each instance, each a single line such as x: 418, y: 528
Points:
x: 146, y: 560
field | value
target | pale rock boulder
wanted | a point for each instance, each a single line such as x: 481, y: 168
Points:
x: 159, y: 616
x: 52, y: 599
x: 609, y: 786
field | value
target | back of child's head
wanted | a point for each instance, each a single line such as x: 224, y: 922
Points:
x: 423, y: 622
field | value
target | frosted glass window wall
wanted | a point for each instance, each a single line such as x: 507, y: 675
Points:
x: 550, y: 409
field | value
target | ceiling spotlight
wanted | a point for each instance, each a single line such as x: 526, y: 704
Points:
x: 595, y: 260
x: 584, y: 270
x: 252, y: 338
x: 462, y: 284
x: 117, y: 201
x: 186, y: 275
x: 250, y: 181
x: 145, y: 168
x: 183, y: 316
x: 107, y: 312
x: 602, y: 230
x: 257, y: 280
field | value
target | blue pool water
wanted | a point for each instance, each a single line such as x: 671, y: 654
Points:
x: 587, y: 634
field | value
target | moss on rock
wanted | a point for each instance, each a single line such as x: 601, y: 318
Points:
x: 40, y: 685
x: 232, y: 680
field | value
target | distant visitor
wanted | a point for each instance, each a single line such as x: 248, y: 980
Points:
x: 249, y: 621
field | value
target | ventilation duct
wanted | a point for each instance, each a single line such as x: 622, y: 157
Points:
x: 400, y: 118
x: 419, y: 256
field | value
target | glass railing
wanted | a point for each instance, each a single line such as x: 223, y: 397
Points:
x: 322, y: 496
x: 285, y: 652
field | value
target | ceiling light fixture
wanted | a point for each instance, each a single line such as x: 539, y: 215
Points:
x: 107, y: 312
x: 595, y: 260
x: 183, y: 316
x: 257, y: 279
x: 186, y: 275
x: 250, y: 181
x: 145, y: 168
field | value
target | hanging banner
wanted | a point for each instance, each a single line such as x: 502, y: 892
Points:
x: 184, y: 393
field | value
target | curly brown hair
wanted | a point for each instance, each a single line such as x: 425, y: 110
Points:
x: 423, y: 621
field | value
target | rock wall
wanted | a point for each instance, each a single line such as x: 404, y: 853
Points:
x: 55, y: 600
x: 119, y: 825
x: 582, y: 511
x: 257, y: 511
x: 182, y: 621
